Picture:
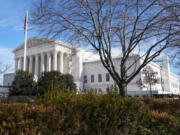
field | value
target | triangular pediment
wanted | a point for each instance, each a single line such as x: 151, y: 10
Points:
x: 33, y: 42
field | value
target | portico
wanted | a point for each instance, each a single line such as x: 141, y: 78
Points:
x: 44, y: 56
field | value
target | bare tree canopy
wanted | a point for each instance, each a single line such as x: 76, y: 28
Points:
x: 150, y: 78
x: 143, y: 27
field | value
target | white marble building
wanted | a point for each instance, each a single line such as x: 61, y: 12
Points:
x: 86, y: 68
x: 44, y: 55
x: 96, y: 76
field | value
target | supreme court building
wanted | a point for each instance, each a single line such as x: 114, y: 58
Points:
x: 86, y: 68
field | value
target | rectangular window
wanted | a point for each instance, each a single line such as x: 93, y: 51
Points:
x: 99, y: 90
x: 107, y: 89
x: 92, y: 78
x: 99, y: 78
x: 85, y: 79
x: 107, y: 77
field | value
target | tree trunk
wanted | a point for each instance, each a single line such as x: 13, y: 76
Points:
x: 122, y: 89
x: 150, y: 90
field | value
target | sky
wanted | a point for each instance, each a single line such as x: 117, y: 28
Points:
x: 12, y: 14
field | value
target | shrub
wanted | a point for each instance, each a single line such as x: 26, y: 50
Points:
x: 18, y: 99
x: 171, y: 106
x: 66, y: 113
x: 23, y: 84
x: 54, y: 80
x: 165, y: 96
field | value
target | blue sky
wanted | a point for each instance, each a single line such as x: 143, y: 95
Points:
x: 12, y: 14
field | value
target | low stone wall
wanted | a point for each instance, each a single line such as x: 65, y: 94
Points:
x: 140, y: 93
x: 4, y: 91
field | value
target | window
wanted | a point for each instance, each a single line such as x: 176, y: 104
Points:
x: 107, y: 77
x: 85, y: 79
x: 92, y: 78
x: 99, y: 78
x: 174, y: 85
x: 99, y: 90
x: 107, y: 90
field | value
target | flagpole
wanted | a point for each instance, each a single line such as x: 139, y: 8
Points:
x: 25, y: 41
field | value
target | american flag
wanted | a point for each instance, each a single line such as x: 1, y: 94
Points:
x: 25, y: 23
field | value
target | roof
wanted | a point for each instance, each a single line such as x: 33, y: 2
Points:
x: 34, y: 41
x: 113, y: 58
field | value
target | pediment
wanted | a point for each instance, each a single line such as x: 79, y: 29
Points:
x: 33, y: 42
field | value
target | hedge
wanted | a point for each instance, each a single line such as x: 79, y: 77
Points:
x: 23, y: 84
x: 64, y: 113
x: 166, y: 96
x: 54, y: 80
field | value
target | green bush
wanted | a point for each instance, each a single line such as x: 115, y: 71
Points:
x: 23, y: 84
x: 54, y: 80
x: 66, y: 113
x: 166, y: 96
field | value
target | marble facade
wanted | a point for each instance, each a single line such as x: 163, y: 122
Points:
x: 44, y: 56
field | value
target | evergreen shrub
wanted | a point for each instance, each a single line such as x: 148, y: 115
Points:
x: 166, y: 96
x: 68, y: 113
x: 23, y: 84
x: 54, y: 80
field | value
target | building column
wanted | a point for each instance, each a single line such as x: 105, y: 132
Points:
x: 21, y: 63
x: 69, y: 63
x: 48, y: 61
x: 42, y: 63
x: 36, y: 64
x: 66, y: 66
x: 61, y: 62
x: 16, y: 64
x: 55, y: 60
x: 30, y: 63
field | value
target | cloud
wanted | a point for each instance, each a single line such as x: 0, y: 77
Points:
x: 116, y: 51
x: 6, y: 57
x: 6, y: 54
x: 18, y: 28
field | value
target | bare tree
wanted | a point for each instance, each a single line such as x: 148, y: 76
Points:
x: 138, y: 27
x: 3, y: 68
x: 150, y: 78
